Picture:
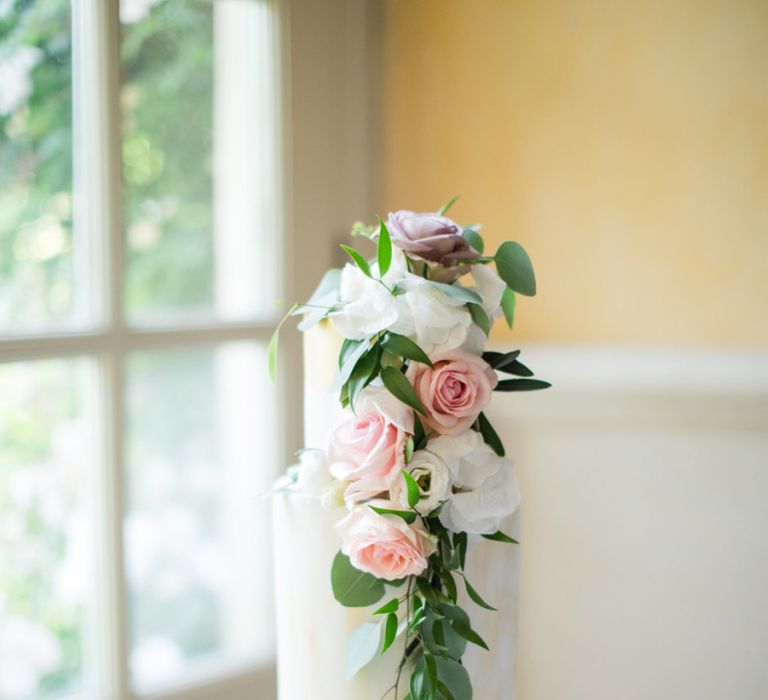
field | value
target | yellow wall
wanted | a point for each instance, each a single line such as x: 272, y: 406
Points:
x: 625, y: 144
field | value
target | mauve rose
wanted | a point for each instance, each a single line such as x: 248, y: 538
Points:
x: 385, y: 545
x: 429, y: 237
x: 454, y: 390
x: 368, y: 450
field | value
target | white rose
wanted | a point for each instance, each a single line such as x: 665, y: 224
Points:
x: 487, y: 489
x: 433, y: 479
x: 490, y: 287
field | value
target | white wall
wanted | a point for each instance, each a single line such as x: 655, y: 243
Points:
x: 644, y: 525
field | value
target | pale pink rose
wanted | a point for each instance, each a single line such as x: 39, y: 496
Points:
x: 429, y: 236
x: 368, y: 449
x: 385, y: 545
x: 454, y: 390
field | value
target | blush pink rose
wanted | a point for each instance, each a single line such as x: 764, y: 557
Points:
x: 368, y: 450
x: 454, y: 390
x: 385, y: 545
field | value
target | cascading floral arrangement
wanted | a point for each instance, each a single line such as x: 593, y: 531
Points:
x: 416, y: 461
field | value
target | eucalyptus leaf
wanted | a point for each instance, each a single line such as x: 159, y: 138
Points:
x: 401, y: 388
x: 463, y: 628
x: 480, y: 317
x: 490, y: 436
x: 508, y: 300
x: 455, y: 677
x: 499, y: 536
x: 455, y: 291
x: 384, y: 249
x: 404, y: 347
x: 408, y: 515
x: 354, y: 588
x: 434, y: 630
x: 515, y: 268
x: 413, y: 491
x: 474, y: 239
x: 360, y: 261
x: 390, y: 632
x: 521, y: 385
x: 362, y: 646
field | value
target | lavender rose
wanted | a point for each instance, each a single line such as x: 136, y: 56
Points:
x: 430, y: 237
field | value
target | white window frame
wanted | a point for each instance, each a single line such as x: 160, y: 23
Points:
x: 110, y: 338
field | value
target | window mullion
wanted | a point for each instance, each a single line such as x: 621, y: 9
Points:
x: 96, y: 38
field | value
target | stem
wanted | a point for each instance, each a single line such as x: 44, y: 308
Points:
x: 407, y: 623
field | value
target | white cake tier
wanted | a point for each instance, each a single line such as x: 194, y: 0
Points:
x: 312, y: 628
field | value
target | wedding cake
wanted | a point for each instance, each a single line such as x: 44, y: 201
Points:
x: 404, y: 492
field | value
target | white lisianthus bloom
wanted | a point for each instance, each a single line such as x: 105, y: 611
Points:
x: 439, y: 321
x: 433, y: 479
x: 314, y: 480
x: 486, y: 489
x: 490, y: 287
x: 367, y: 305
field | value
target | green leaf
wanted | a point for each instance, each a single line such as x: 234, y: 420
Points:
x: 390, y: 632
x: 515, y: 268
x: 417, y: 683
x: 474, y: 239
x: 273, y: 347
x: 508, y: 299
x: 362, y: 645
x: 498, y: 360
x: 401, y: 388
x: 384, y: 249
x: 448, y: 204
x: 435, y: 631
x: 517, y: 368
x: 404, y: 347
x: 445, y: 692
x: 390, y: 607
x: 460, y: 540
x: 360, y: 261
x: 431, y: 668
x: 409, y: 444
x: 480, y: 317
x: 468, y: 633
x: 490, y: 436
x: 475, y: 596
x: 419, y: 436
x: 351, y: 360
x: 408, y: 515
x: 347, y: 348
x: 351, y: 587
x: 450, y: 584
x: 455, y: 677
x: 521, y: 385
x: 501, y: 537
x: 455, y: 291
x: 414, y: 493
x: 365, y: 370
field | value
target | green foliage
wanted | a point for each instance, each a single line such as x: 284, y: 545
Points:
x: 448, y: 204
x: 408, y: 515
x: 490, y: 436
x: 413, y: 491
x: 480, y: 317
x: 474, y: 239
x: 384, y: 249
x: 351, y: 587
x: 390, y: 631
x: 475, y: 596
x: 501, y: 537
x: 404, y: 347
x: 274, y: 346
x: 521, y: 385
x: 390, y: 607
x: 359, y: 260
x: 401, y: 388
x: 455, y: 291
x: 508, y: 299
x: 515, y: 268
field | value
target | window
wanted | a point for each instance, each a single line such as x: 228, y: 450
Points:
x: 140, y: 254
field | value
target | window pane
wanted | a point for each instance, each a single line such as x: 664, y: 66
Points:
x: 36, y: 243
x: 198, y: 141
x: 45, y: 527
x: 200, y: 441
